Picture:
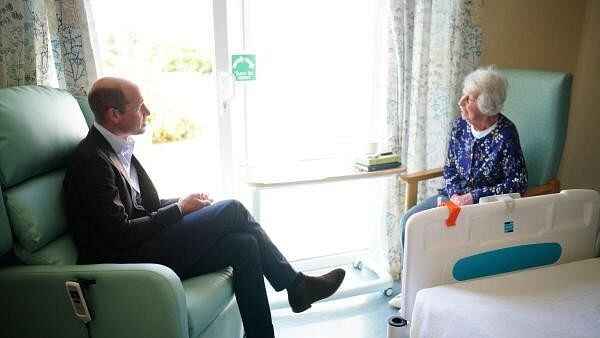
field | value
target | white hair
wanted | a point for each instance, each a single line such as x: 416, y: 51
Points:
x: 491, y: 85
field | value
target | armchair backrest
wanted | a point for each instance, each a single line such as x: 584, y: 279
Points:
x: 39, y: 128
x: 538, y: 103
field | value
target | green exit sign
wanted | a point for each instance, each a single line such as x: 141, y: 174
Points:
x: 243, y: 67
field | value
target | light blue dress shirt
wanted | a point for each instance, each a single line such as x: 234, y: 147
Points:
x: 124, y: 150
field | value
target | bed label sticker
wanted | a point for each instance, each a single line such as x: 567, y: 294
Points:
x: 508, y: 226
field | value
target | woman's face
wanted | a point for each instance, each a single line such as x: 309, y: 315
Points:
x: 468, y: 106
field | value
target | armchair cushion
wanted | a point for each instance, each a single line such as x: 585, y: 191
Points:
x: 35, y: 210
x: 61, y: 251
x: 85, y: 109
x: 538, y: 103
x: 206, y: 296
x: 36, y: 138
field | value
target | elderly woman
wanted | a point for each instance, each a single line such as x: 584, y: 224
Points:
x: 484, y: 154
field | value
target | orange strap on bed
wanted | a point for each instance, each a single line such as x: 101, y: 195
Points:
x: 453, y: 211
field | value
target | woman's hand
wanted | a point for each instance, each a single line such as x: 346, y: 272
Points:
x: 465, y: 199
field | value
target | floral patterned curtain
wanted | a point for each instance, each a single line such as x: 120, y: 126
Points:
x: 46, y: 42
x: 435, y: 43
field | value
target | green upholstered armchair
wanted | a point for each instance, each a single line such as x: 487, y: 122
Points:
x: 538, y: 103
x: 39, y: 127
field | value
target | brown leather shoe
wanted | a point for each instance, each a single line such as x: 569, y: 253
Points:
x: 311, y: 289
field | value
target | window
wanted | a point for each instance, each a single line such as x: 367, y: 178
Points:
x: 317, y: 89
x: 318, y: 84
x: 167, y: 49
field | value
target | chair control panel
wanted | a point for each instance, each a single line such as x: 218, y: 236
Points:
x: 78, y: 301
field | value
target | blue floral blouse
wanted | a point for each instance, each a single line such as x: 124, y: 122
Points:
x: 491, y: 165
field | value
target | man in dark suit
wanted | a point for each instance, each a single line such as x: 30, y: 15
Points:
x: 116, y: 216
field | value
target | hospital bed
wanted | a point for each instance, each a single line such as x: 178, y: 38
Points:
x: 509, y: 268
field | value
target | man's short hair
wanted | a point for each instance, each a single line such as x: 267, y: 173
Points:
x: 103, y: 98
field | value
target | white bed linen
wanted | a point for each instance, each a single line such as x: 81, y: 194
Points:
x: 557, y: 301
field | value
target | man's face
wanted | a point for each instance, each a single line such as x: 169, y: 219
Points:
x: 132, y: 121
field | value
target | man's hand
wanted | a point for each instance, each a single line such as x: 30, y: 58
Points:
x: 465, y: 199
x: 194, y: 202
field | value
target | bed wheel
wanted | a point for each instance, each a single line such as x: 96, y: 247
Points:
x: 388, y: 292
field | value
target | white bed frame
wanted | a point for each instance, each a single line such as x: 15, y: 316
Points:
x: 568, y: 219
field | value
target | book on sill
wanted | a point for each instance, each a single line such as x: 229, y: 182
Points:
x: 378, y: 159
x: 375, y: 167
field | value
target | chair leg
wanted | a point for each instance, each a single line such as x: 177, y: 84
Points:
x: 411, y: 195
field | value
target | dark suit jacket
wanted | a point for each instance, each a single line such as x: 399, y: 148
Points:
x: 107, y: 223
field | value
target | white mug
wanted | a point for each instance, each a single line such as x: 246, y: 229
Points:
x: 371, y: 148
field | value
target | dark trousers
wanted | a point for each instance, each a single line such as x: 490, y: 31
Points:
x: 221, y: 235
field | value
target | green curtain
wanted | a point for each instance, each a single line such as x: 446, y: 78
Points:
x: 435, y: 43
x: 46, y: 42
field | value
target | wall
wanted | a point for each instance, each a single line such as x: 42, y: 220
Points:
x: 580, y: 167
x: 555, y: 35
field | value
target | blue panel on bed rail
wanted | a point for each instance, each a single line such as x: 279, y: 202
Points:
x: 506, y: 260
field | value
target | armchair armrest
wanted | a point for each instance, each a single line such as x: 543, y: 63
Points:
x: 412, y: 184
x: 127, y: 300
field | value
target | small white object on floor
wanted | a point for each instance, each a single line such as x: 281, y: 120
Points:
x: 396, y: 301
